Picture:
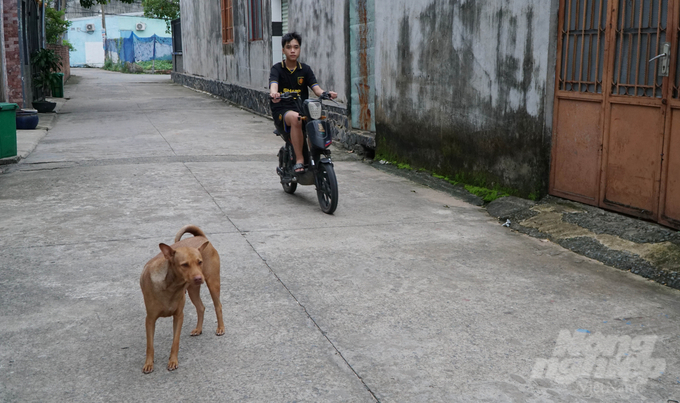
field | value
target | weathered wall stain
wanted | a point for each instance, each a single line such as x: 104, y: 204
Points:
x: 468, y: 90
x: 363, y: 87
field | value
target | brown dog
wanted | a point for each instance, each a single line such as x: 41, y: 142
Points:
x: 165, y: 278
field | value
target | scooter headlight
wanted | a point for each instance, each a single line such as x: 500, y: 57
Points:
x: 314, y: 108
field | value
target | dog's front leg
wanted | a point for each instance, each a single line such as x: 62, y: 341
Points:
x: 195, y: 296
x: 177, y: 321
x: 150, y: 329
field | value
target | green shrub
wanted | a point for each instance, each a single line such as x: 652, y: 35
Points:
x: 45, y: 63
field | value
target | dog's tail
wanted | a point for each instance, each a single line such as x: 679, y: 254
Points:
x: 191, y: 229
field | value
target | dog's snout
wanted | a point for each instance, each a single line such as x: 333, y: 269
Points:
x: 198, y: 279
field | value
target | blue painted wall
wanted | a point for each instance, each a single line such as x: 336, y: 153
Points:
x: 89, y: 45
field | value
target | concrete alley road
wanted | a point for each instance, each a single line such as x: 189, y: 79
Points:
x: 406, y: 294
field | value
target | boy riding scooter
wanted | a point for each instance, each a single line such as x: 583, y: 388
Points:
x: 292, y: 76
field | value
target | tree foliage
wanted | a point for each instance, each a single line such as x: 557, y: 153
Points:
x: 167, y: 10
x: 90, y: 3
x: 55, y: 25
x: 164, y: 9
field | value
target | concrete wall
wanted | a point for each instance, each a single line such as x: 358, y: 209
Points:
x: 63, y: 52
x: 245, y: 63
x: 89, y: 46
x: 324, y: 29
x: 465, y: 88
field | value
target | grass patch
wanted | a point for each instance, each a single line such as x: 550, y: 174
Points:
x: 159, y: 65
x: 488, y: 195
x: 473, y: 183
x: 446, y: 178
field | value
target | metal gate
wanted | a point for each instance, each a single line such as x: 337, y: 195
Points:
x: 616, y: 125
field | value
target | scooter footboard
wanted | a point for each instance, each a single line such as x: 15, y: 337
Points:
x: 306, y: 178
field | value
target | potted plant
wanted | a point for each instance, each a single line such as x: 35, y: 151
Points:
x: 45, y: 64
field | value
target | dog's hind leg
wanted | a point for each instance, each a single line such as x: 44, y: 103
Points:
x: 214, y: 288
x: 195, y: 296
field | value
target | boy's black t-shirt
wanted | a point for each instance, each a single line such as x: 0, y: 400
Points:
x: 299, y: 80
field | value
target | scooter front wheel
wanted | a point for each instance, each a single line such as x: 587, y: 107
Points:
x: 327, y: 188
x: 284, y: 154
x: 289, y: 187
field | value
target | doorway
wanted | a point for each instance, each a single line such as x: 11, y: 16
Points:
x: 616, y: 140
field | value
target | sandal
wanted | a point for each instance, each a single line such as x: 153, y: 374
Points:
x: 299, y: 168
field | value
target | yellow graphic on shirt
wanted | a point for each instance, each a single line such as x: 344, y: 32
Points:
x: 301, y: 80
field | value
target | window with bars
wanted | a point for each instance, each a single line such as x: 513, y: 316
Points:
x: 256, y: 20
x: 227, y: 21
x: 583, y: 39
x: 640, y: 34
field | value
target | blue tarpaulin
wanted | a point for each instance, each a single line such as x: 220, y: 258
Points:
x: 135, y: 49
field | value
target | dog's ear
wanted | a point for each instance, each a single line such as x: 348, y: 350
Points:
x: 168, y: 252
x: 205, y: 244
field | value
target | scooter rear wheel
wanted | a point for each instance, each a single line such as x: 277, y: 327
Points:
x: 327, y: 188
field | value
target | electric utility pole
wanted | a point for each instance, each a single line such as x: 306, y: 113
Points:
x: 104, y: 32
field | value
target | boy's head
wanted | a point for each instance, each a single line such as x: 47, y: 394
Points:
x: 289, y: 37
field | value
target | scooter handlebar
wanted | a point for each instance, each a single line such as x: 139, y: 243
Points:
x: 285, y: 95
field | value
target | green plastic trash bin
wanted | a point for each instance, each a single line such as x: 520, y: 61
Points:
x: 58, y: 88
x: 8, y: 130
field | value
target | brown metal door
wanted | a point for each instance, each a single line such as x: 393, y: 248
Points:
x: 614, y: 108
x: 579, y: 100
x: 636, y: 108
x: 669, y: 203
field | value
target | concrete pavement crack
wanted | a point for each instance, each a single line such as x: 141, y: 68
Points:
x: 159, y: 132
x: 244, y: 235
x: 323, y: 333
x: 170, y: 159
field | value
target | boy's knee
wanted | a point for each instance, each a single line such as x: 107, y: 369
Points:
x: 294, y: 121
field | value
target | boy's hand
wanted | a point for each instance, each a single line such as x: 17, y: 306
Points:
x: 333, y: 94
x: 275, y: 97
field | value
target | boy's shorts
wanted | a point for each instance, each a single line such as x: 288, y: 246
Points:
x: 278, y: 114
